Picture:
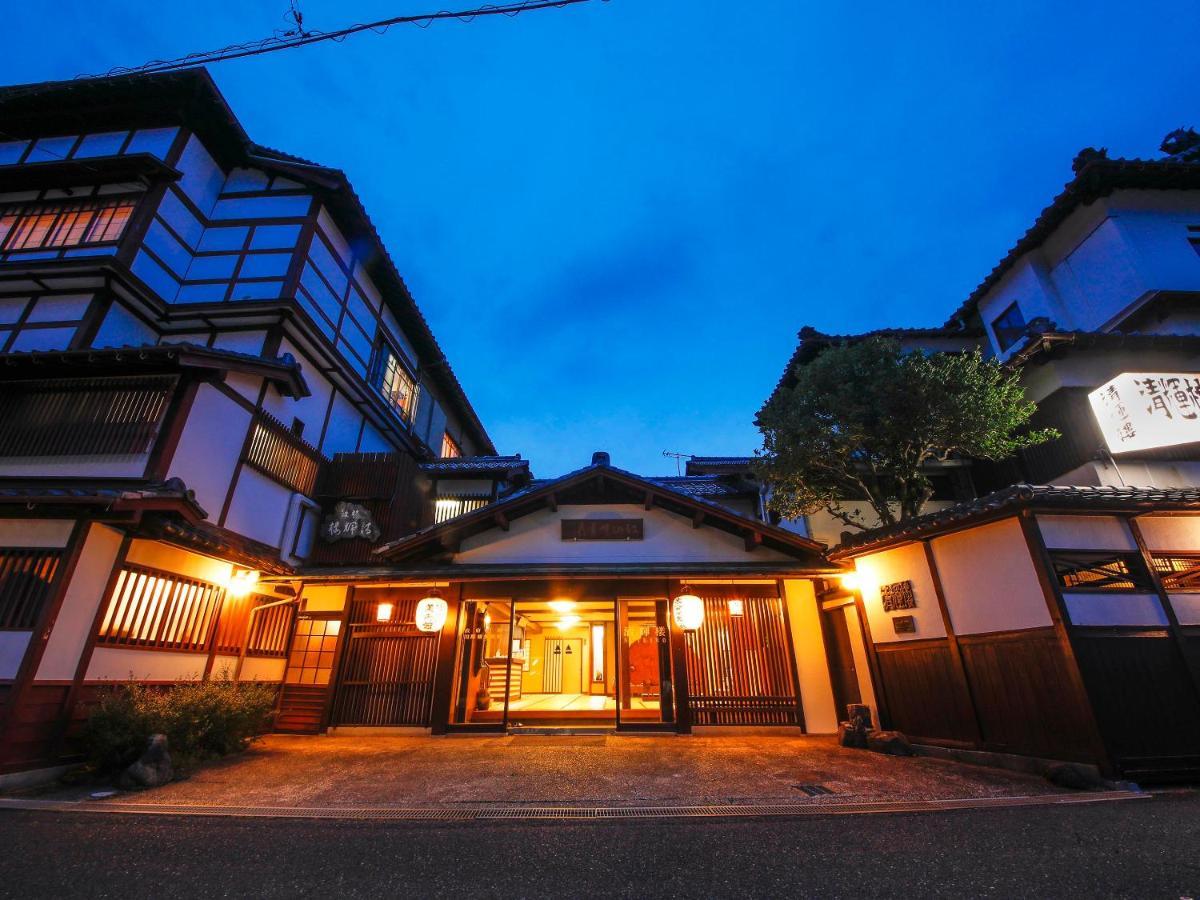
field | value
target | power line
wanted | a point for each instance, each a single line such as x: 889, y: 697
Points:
x: 298, y: 36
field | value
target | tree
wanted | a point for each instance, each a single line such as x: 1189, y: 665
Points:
x: 863, y: 420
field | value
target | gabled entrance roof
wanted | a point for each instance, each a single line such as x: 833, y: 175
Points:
x: 597, y: 484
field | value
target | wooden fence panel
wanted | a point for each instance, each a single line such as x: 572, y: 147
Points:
x: 923, y: 695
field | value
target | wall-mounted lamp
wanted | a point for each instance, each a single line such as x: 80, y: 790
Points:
x: 737, y: 607
x: 383, y: 612
x: 851, y: 581
x: 242, y: 582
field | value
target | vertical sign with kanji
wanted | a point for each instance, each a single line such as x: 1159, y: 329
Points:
x: 1143, y: 410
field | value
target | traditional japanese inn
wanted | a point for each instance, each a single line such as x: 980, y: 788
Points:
x: 233, y: 448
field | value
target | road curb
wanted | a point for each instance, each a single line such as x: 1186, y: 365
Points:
x: 512, y: 811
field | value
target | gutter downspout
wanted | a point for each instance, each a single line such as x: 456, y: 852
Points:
x: 237, y: 672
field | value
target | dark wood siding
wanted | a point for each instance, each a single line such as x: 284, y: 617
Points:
x: 387, y: 484
x: 1144, y: 701
x: 33, y: 727
x: 923, y: 697
x: 1022, y: 692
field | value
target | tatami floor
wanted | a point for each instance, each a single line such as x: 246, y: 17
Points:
x: 572, y: 703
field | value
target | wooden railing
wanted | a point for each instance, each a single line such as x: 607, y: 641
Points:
x: 286, y: 457
x: 270, y: 629
x: 82, y: 416
x: 26, y: 575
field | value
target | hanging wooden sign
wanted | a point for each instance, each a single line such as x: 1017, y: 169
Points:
x: 603, y: 530
x: 349, y: 520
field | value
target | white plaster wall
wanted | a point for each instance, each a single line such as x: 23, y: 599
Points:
x: 1114, y: 609
x: 12, y: 651
x: 259, y: 508
x: 1085, y: 533
x: 311, y: 409
x: 35, y: 532
x: 537, y: 538
x: 223, y: 664
x: 179, y: 561
x: 324, y: 598
x: 121, y: 664
x: 262, y: 669
x: 1167, y: 533
x: 73, y: 627
x: 862, y: 666
x: 905, y: 563
x: 209, y: 447
x: 1187, y: 608
x: 989, y: 579
x: 812, y: 666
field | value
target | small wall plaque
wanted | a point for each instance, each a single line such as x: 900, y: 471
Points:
x: 602, y: 530
x: 905, y: 624
x: 898, y: 595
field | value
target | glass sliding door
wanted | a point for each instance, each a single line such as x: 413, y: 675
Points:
x: 644, y: 663
x: 483, y: 667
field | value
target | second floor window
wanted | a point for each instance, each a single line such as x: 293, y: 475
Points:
x: 394, y: 382
x: 67, y: 223
x: 450, y: 450
x: 1009, y: 326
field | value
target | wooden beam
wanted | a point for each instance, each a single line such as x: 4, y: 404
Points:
x: 753, y: 540
x: 962, y: 681
x: 649, y: 503
x: 552, y: 501
x: 501, y: 519
x: 698, y: 518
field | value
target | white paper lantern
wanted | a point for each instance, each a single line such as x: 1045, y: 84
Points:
x: 688, y: 612
x: 431, y: 614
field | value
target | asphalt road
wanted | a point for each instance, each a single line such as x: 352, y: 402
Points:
x: 1138, y: 848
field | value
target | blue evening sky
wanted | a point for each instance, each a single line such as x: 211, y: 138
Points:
x: 617, y: 216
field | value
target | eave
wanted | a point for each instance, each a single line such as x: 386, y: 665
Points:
x: 577, y: 571
x: 140, y: 167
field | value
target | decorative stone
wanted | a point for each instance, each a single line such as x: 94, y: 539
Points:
x: 153, y: 769
x: 851, y: 736
x: 1075, y: 777
x: 859, y: 716
x: 893, y: 743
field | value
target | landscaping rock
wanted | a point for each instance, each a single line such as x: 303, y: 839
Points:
x: 893, y: 743
x: 851, y: 736
x: 1075, y: 777
x: 153, y: 769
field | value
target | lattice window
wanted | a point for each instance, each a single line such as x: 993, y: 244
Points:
x: 311, y: 661
x: 1180, y: 573
x: 1093, y: 571
x: 269, y: 631
x: 152, y: 608
x: 450, y: 448
x: 71, y: 223
x: 278, y: 453
x: 445, y: 508
x: 26, y: 575
x: 82, y: 416
x: 394, y: 383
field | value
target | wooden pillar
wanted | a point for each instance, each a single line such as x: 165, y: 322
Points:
x: 335, y: 674
x: 864, y: 625
x: 1061, y: 620
x: 683, y: 713
x: 791, y: 649
x: 443, y: 673
x: 956, y: 660
x: 1190, y: 661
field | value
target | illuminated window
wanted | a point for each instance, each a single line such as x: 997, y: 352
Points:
x: 1009, y: 326
x: 449, y: 507
x: 450, y: 450
x: 394, y: 382
x: 1180, y: 573
x: 313, y: 648
x: 1091, y: 571
x: 40, y: 226
x: 152, y: 608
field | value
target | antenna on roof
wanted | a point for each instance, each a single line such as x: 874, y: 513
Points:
x: 678, y: 457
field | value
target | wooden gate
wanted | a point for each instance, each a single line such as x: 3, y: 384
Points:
x: 386, y: 677
x: 740, y: 668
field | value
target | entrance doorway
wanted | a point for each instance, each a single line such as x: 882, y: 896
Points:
x: 563, y: 663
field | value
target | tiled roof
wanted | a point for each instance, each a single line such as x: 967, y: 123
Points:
x: 1096, y: 177
x: 1018, y: 496
x: 474, y: 464
x: 283, y: 371
x: 704, y: 486
x: 113, y: 494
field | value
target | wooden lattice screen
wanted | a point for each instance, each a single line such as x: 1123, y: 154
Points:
x: 80, y: 416
x: 152, y: 608
x: 279, y: 454
x: 26, y: 575
x: 740, y: 667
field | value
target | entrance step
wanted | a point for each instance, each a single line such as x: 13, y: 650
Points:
x: 547, y: 729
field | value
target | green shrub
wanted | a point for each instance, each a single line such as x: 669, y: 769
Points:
x: 201, y: 719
